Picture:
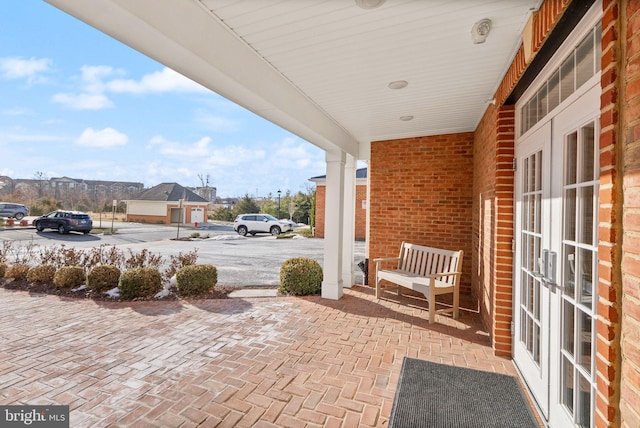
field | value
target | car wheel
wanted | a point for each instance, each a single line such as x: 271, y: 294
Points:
x: 275, y: 230
x: 61, y: 230
x: 19, y: 216
x: 85, y: 232
x: 252, y: 233
x: 242, y: 230
x: 39, y: 227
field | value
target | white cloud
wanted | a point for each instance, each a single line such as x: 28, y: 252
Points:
x: 217, y: 123
x: 31, y: 69
x: 165, y: 80
x: 105, y: 138
x: 95, y: 85
x: 20, y: 137
x: 84, y: 101
x: 16, y: 111
x: 170, y: 148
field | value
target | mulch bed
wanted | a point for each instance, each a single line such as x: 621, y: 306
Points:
x: 220, y: 292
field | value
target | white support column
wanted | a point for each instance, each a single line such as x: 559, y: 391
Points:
x: 349, y: 234
x: 333, y: 226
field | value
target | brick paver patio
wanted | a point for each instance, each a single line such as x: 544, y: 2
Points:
x: 263, y: 362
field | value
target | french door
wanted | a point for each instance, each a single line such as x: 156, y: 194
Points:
x: 555, y: 276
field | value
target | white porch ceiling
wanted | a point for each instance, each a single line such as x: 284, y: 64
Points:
x: 321, y: 68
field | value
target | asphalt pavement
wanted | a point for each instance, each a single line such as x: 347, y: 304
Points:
x: 251, y: 261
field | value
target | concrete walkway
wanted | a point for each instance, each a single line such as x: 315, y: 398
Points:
x: 263, y: 362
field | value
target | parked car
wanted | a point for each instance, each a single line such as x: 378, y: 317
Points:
x: 64, y: 222
x: 260, y: 223
x: 11, y: 210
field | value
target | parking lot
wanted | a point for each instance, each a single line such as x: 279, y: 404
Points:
x: 241, y: 261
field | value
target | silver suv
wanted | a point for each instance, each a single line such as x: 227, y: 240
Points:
x: 11, y: 210
x: 260, y: 223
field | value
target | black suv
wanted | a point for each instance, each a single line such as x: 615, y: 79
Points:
x: 65, y: 221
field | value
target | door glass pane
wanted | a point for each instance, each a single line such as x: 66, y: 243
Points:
x: 568, y: 332
x: 542, y: 102
x: 586, y: 218
x: 570, y: 215
x: 584, y: 60
x: 584, y: 341
x: 569, y: 269
x: 567, y: 81
x: 587, y: 171
x: 584, y: 402
x: 585, y: 267
x: 571, y: 158
x: 567, y: 383
x: 553, y: 91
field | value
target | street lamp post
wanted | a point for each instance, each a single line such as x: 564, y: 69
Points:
x: 279, y: 192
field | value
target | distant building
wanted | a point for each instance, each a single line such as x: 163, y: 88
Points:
x: 361, y: 203
x: 167, y: 203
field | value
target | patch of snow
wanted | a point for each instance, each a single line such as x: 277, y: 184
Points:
x: 82, y: 287
x: 296, y: 236
x: 165, y: 288
x: 114, y: 293
x: 226, y: 238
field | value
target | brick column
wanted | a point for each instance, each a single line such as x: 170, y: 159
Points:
x: 503, y: 256
x: 609, y: 234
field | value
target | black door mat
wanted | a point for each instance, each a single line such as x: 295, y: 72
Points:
x: 437, y: 395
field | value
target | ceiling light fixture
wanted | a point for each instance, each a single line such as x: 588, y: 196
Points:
x: 369, y: 4
x: 398, y: 84
x: 480, y: 31
x: 406, y: 118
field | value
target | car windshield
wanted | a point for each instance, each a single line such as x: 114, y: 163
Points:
x: 270, y: 217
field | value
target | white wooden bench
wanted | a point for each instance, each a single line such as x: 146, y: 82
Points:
x: 430, y: 271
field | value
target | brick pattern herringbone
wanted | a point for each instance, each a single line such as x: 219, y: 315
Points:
x: 285, y: 361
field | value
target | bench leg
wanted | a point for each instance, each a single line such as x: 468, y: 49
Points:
x: 432, y: 309
x: 378, y: 291
x: 456, y: 302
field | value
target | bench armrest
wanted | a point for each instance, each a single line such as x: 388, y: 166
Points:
x: 381, y: 260
x: 441, y: 275
x: 386, y: 259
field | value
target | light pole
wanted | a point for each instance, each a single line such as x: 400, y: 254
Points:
x: 279, y: 192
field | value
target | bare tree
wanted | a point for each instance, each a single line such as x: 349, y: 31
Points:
x: 41, y: 180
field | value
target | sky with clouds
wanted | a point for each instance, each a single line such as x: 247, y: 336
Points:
x: 77, y: 103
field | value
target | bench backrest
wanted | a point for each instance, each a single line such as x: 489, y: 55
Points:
x: 424, y: 261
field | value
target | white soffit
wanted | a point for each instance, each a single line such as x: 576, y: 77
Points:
x: 321, y: 68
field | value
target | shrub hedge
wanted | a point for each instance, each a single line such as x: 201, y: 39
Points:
x: 18, y: 271
x: 103, y: 278
x: 301, y: 276
x: 196, y: 279
x: 69, y: 277
x: 142, y: 282
x: 41, y: 274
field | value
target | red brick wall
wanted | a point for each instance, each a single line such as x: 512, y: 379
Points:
x: 361, y: 214
x: 421, y: 192
x: 492, y: 260
x: 321, y: 197
x: 618, y: 364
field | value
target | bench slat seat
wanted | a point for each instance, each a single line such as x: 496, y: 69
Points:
x: 429, y: 271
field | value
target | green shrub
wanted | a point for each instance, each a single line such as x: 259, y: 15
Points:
x: 18, y: 271
x: 196, y: 279
x: 69, y: 277
x: 300, y: 276
x: 41, y: 274
x: 103, y: 278
x: 140, y: 282
x: 3, y: 269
